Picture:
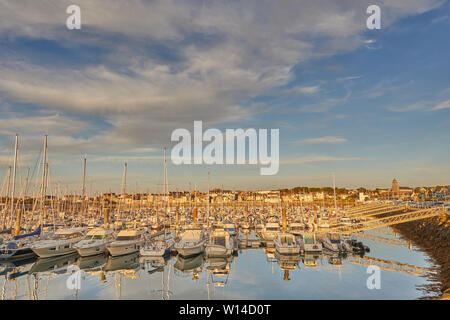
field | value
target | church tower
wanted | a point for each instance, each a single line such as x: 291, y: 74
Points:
x: 395, y: 188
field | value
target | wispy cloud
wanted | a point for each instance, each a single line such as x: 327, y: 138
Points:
x: 421, y: 106
x: 303, y: 90
x: 322, y: 140
x: 318, y: 158
x: 442, y: 105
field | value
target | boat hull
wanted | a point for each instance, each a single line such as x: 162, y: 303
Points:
x: 155, y: 252
x: 188, y: 251
x: 217, y: 251
x: 317, y: 247
x: 53, y: 251
x: 92, y: 250
x: 288, y: 250
x: 116, y: 250
x: 19, y: 253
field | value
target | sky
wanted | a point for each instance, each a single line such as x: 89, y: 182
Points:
x: 366, y: 105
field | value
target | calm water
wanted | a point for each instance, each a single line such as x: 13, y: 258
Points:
x: 253, y: 274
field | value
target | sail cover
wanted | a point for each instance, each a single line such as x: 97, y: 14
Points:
x: 34, y: 233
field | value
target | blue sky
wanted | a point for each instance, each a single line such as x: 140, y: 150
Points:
x: 369, y: 105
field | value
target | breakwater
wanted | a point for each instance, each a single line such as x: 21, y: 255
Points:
x: 432, y: 236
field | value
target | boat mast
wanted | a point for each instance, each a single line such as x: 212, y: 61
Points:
x: 124, y: 180
x: 124, y: 186
x: 8, y: 186
x: 83, y: 189
x: 13, y: 187
x: 334, y: 190
x: 44, y: 177
x: 166, y: 186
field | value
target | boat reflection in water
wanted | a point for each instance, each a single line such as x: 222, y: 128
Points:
x: 334, y: 258
x: 154, y: 264
x: 126, y: 262
x: 13, y: 269
x: 310, y: 260
x: 192, y: 265
x: 287, y: 263
x: 55, y: 265
x: 219, y: 270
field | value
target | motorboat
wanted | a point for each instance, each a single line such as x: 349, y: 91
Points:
x: 309, y: 243
x: 270, y: 231
x: 334, y: 243
x: 285, y: 243
x: 126, y: 242
x: 62, y: 242
x: 95, y: 242
x: 358, y: 246
x: 296, y: 228
x: 220, y: 244
x: 192, y: 242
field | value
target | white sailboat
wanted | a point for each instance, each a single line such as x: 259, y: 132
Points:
x: 158, y: 248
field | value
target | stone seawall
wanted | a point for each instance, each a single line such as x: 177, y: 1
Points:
x: 433, y: 237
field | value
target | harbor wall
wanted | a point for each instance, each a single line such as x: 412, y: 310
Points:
x: 432, y: 236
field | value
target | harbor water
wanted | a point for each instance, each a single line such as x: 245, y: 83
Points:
x: 252, y: 273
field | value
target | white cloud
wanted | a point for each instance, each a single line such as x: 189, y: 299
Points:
x: 252, y: 47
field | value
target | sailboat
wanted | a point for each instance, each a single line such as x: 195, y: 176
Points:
x: 159, y: 247
x: 19, y: 246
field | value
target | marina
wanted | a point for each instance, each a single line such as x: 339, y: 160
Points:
x: 179, y: 246
x: 250, y: 273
